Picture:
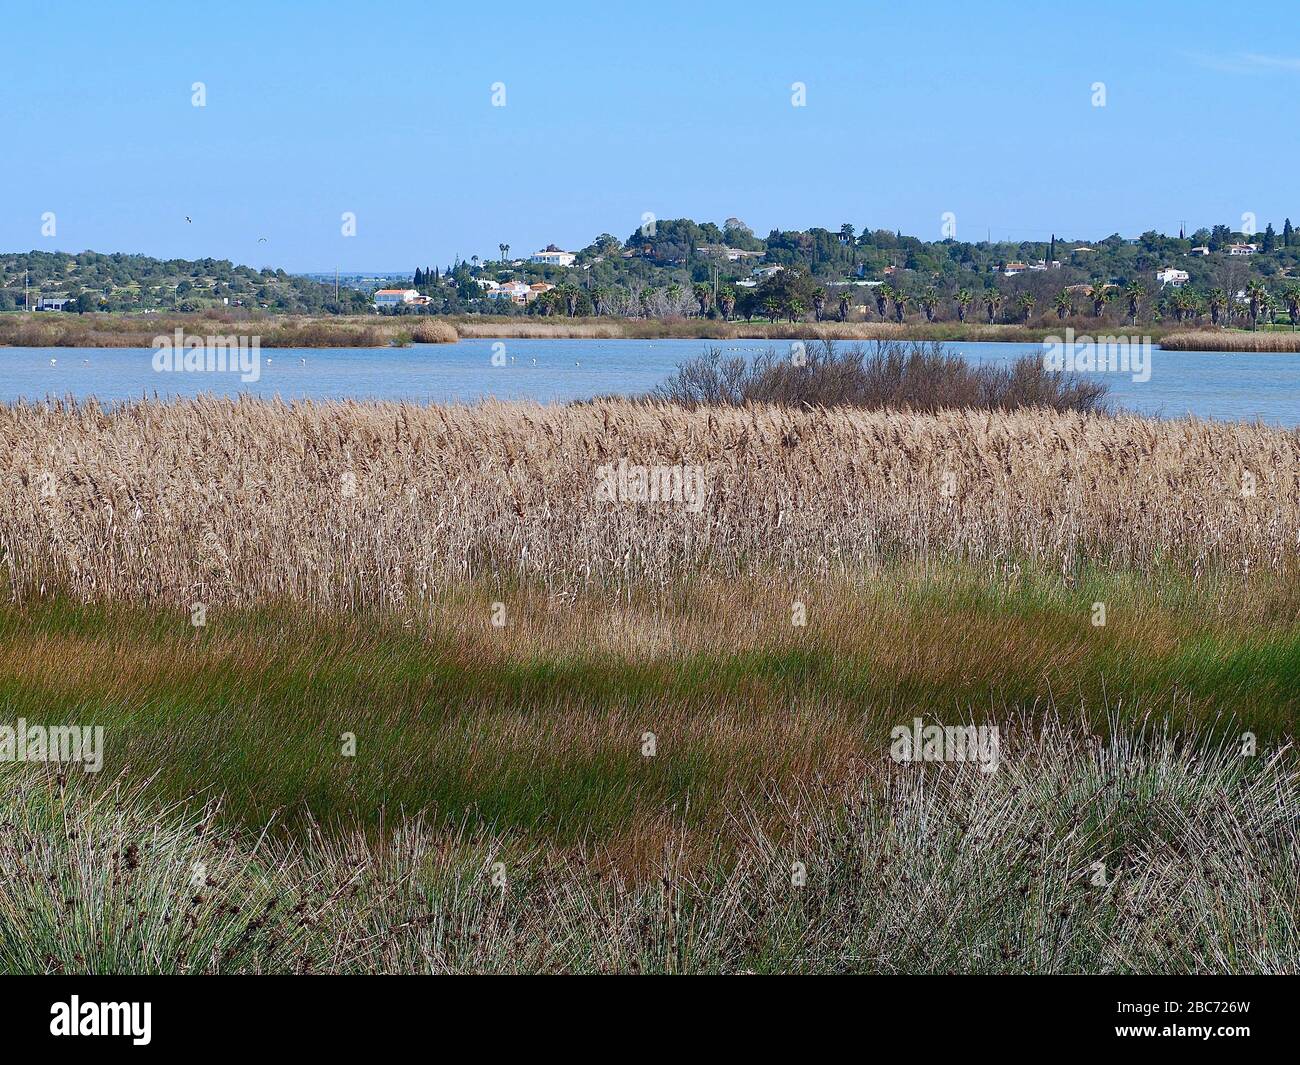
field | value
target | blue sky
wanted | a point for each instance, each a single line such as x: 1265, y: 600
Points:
x: 680, y: 109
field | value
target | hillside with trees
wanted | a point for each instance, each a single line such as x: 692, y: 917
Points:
x: 680, y: 268
x: 125, y: 283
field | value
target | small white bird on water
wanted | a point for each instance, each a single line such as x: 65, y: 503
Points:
x: 54, y: 362
x: 302, y: 362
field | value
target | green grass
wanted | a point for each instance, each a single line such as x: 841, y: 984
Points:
x: 543, y: 737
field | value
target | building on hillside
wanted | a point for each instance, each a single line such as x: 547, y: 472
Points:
x: 1174, y: 278
x: 386, y: 298
x: 518, y: 292
x: 764, y: 272
x: 1242, y: 249
x: 53, y: 303
x: 1014, y: 268
x: 552, y: 256
x: 514, y: 291
x: 1200, y: 249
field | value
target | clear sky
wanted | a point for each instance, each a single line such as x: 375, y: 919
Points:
x: 612, y: 110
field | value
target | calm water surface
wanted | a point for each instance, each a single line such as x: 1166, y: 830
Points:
x: 1206, y: 384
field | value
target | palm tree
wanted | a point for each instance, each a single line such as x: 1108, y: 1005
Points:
x: 569, y: 294
x: 1217, y: 300
x: 1291, y: 296
x: 503, y: 248
x: 1135, y: 293
x: 1100, y: 295
x: 772, y: 308
x: 1257, y: 295
x: 1064, y: 304
x: 598, y: 297
x: 929, y: 300
x: 1025, y: 301
x: 846, y: 301
x: 992, y: 302
x: 900, y: 300
x: 818, y: 302
x: 726, y: 301
x: 965, y: 297
x: 883, y: 294
x: 703, y: 296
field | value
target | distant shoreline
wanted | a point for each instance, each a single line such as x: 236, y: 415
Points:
x: 55, y: 329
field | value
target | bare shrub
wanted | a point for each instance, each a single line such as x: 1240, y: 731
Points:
x: 916, y: 376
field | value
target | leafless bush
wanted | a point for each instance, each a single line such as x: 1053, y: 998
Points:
x: 917, y: 376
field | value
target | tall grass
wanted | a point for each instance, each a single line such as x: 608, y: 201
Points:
x: 370, y: 504
x: 1231, y: 340
x: 57, y: 329
x: 1139, y: 853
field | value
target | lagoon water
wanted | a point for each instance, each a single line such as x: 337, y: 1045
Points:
x: 1206, y: 384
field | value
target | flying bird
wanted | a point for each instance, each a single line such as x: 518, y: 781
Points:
x: 189, y: 219
x: 261, y: 240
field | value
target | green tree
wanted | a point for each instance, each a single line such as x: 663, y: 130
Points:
x: 1217, y: 300
x: 900, y: 301
x: 703, y: 297
x: 1135, y: 294
x: 1064, y: 304
x: 964, y: 298
x: 992, y: 302
x: 1291, y: 297
x: 1257, y: 299
x: 726, y: 301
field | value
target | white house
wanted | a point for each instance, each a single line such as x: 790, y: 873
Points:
x: 394, y: 297
x: 1200, y: 249
x: 53, y: 303
x: 1241, y: 249
x: 1170, y: 276
x: 767, y: 271
x: 514, y: 291
x: 552, y: 256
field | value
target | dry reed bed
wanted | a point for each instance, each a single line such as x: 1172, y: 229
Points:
x: 375, y: 504
x: 1218, y: 340
x: 274, y: 331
